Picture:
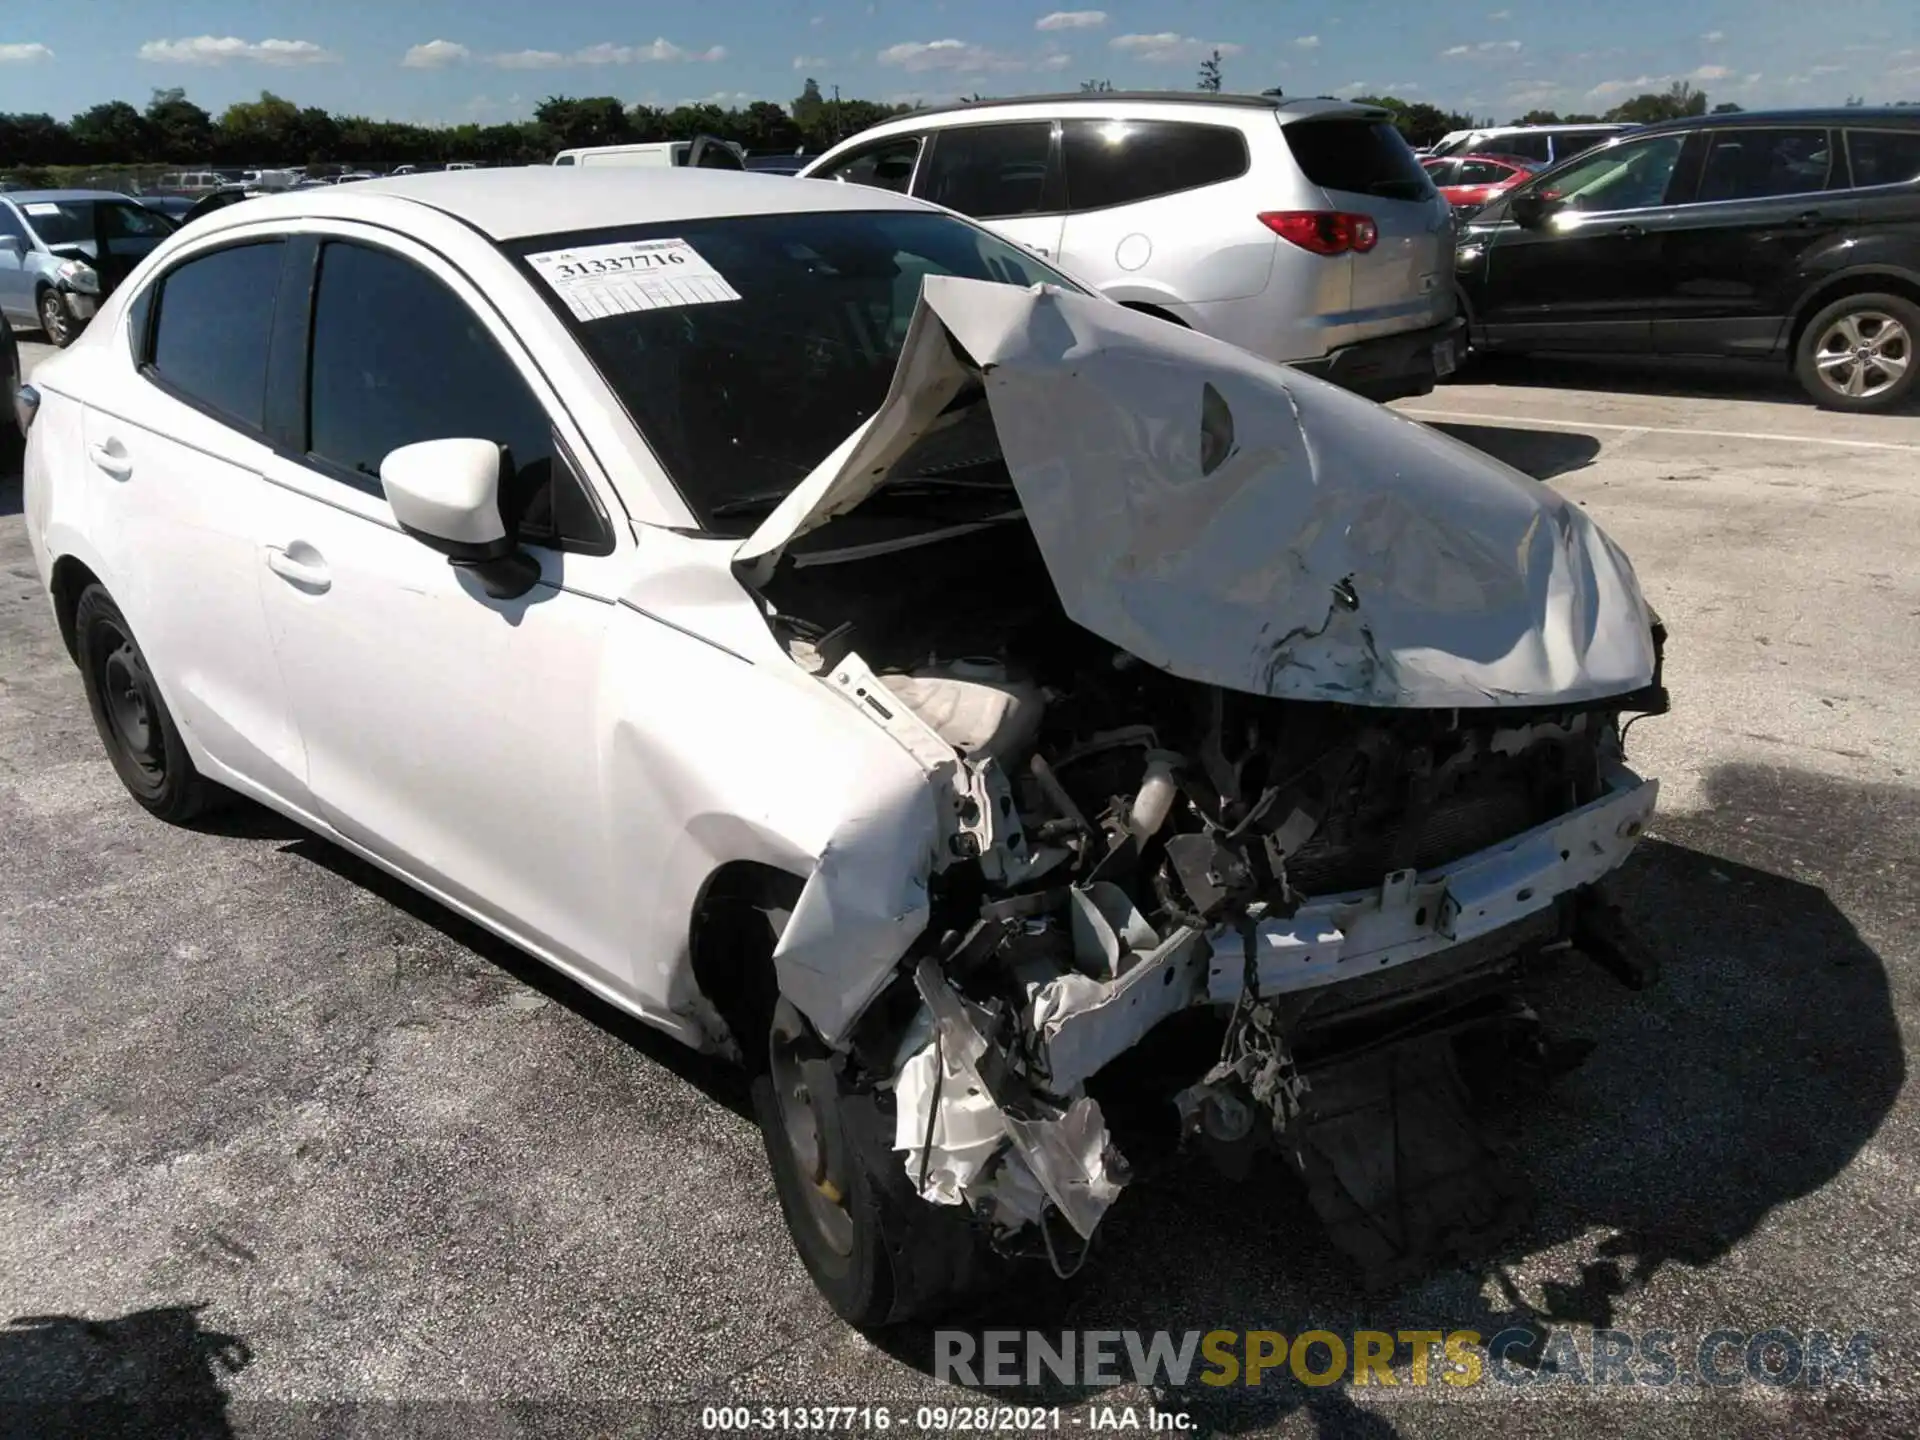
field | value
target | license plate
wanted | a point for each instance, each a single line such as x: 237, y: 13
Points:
x: 1446, y: 358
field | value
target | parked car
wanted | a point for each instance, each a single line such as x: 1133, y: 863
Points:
x: 221, y: 199
x: 1792, y: 236
x: 825, y: 631
x: 174, y: 207
x: 63, y: 251
x: 1302, y: 230
x: 778, y: 164
x: 13, y: 420
x: 703, y: 152
x: 190, y: 182
x: 1470, y: 181
x: 1542, y: 144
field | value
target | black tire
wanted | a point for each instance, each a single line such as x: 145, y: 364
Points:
x: 56, y: 320
x: 1837, y: 359
x: 890, y: 1256
x: 134, y: 724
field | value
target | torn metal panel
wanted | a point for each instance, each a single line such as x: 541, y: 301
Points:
x: 1241, y: 524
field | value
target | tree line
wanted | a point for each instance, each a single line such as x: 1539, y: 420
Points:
x: 272, y: 130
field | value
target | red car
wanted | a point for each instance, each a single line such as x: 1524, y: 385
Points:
x: 1470, y: 181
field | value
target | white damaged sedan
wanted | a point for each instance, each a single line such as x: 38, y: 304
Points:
x: 1025, y: 733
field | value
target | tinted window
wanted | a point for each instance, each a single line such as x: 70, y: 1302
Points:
x: 1482, y: 172
x: 1120, y: 162
x: 216, y: 317
x: 67, y: 222
x: 1625, y: 177
x: 1565, y: 147
x: 399, y: 358
x: 1884, y: 157
x: 1441, y: 172
x: 1753, y: 164
x: 1364, y: 157
x: 991, y: 172
x: 1533, y: 145
x: 887, y: 166
x: 740, y: 399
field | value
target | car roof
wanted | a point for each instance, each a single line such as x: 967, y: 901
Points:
x: 1519, y: 162
x: 1320, y: 105
x: 42, y: 197
x: 1879, y: 117
x: 514, y: 204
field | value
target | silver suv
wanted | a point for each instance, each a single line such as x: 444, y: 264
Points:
x: 1302, y: 230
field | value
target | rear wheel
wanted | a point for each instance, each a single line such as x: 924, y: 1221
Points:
x: 134, y: 722
x: 1858, y: 353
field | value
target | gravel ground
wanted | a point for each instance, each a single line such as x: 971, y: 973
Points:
x: 286, y: 1150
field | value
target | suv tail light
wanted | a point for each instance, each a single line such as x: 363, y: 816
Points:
x: 1324, y: 232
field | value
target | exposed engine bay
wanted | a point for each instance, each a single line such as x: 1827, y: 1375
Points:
x: 1125, y: 846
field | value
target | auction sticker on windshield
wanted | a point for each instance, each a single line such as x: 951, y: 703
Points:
x: 601, y: 281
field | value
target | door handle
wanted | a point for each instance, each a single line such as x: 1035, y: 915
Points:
x: 112, y: 458
x: 1630, y: 232
x: 1807, y: 217
x: 304, y: 574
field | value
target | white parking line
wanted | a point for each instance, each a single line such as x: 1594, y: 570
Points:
x: 1519, y: 420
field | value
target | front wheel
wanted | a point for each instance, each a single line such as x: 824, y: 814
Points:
x: 1857, y: 353
x: 879, y: 1254
x: 57, y: 320
x: 134, y: 723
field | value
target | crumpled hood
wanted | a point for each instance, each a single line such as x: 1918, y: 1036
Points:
x: 1241, y: 524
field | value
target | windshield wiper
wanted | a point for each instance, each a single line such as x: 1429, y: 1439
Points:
x: 906, y: 485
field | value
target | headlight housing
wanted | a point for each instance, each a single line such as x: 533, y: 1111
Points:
x: 79, y: 276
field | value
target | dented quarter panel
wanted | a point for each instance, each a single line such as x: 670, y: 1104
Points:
x: 1241, y: 524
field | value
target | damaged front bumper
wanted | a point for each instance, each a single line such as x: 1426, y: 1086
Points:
x: 1008, y: 1146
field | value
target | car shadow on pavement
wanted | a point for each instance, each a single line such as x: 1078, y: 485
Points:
x: 1542, y: 454
x: 12, y: 483
x: 723, y: 1082
x: 1676, y: 377
x: 1749, y: 1075
x: 152, y: 1372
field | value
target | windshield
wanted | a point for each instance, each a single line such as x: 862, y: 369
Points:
x: 742, y: 397
x: 72, y: 222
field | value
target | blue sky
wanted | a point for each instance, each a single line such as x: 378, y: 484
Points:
x: 446, y: 61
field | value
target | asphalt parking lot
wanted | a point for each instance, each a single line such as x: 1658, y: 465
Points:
x: 285, y: 1149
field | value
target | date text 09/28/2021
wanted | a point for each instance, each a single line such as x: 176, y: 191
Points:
x: 941, y: 1419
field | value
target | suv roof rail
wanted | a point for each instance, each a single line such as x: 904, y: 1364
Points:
x: 1300, y: 104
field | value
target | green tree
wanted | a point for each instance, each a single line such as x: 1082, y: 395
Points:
x: 1095, y: 87
x: 1539, y: 117
x: 569, y: 123
x: 809, y: 108
x: 182, y: 131
x: 1677, y: 102
x: 113, y: 133
x: 1209, y: 74
x: 260, y: 132
x: 1726, y: 107
x: 34, y: 140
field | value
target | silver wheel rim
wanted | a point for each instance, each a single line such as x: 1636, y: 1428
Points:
x: 800, y: 1074
x: 53, y: 317
x: 1863, y: 354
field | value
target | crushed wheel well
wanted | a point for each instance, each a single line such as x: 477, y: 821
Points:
x: 735, y: 926
x: 70, y: 577
x: 1871, y: 284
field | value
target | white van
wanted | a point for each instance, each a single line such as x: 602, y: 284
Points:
x: 706, y: 152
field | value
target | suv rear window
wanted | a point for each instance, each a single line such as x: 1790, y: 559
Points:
x: 1884, y: 157
x: 1365, y: 157
x: 1122, y: 162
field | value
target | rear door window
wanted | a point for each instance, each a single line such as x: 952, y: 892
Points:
x: 1532, y: 145
x: 1884, y: 157
x: 1122, y: 162
x: 211, y: 334
x: 991, y: 172
x: 1364, y: 157
x: 1482, y: 172
x: 886, y: 166
x: 1755, y: 164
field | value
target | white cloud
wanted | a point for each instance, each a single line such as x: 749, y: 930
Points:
x: 1054, y: 61
x: 435, y: 54
x: 1072, y: 20
x: 1646, y: 84
x: 1452, y: 50
x: 1307, y: 42
x: 1714, y: 36
x: 1499, y: 15
x: 1720, y: 72
x: 809, y: 62
x: 960, y: 56
x: 24, y: 54
x: 1168, y: 48
x: 1826, y: 69
x: 219, y: 49
x: 1485, y: 47
x: 605, y: 53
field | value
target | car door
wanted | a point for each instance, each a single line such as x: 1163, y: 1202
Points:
x: 454, y: 736
x: 1005, y: 175
x: 1766, y: 196
x: 1586, y: 269
x: 175, y: 460
x: 16, y: 288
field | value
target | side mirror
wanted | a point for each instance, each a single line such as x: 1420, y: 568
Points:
x: 1529, y: 209
x: 446, y: 495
